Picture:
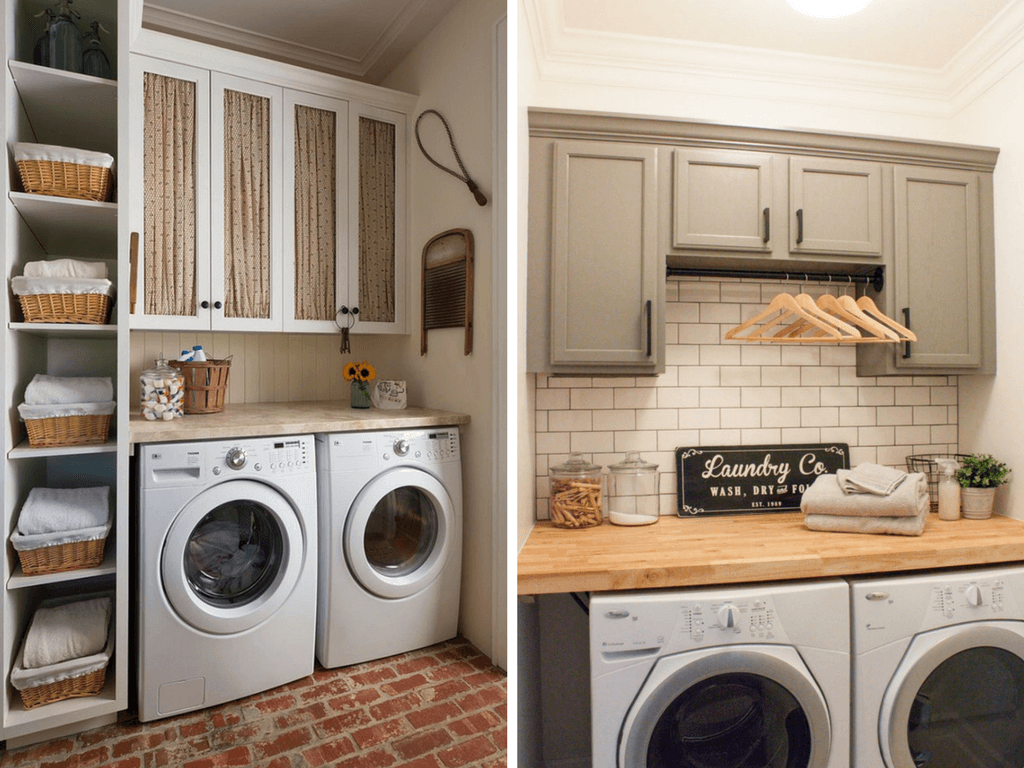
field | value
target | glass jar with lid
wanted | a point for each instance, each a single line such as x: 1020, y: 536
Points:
x: 163, y: 392
x: 575, y: 494
x: 633, y: 491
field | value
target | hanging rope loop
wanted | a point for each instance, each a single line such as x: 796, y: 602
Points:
x: 481, y: 199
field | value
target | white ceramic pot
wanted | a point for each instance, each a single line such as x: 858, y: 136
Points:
x: 976, y: 503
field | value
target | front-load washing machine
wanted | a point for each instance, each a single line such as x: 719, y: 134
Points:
x: 390, y: 542
x: 938, y: 669
x: 226, y: 570
x: 753, y: 676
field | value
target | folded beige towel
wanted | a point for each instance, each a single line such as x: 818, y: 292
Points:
x: 870, y: 478
x: 901, y: 526
x: 825, y: 497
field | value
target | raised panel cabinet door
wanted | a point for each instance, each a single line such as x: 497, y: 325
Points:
x: 605, y: 256
x: 722, y: 200
x: 170, y: 148
x: 938, y: 266
x: 246, y: 196
x: 376, y: 280
x: 835, y: 206
x: 315, y: 211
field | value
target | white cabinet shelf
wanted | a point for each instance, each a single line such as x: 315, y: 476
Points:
x: 24, y: 451
x: 19, y: 580
x: 21, y: 721
x: 65, y: 330
x: 66, y: 225
x: 52, y: 97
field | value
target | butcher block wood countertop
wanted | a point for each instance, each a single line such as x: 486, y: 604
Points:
x: 261, y: 419
x: 677, y: 552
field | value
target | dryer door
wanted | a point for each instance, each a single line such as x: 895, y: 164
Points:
x: 400, y: 532
x: 957, y: 699
x: 232, y: 556
x: 735, y: 707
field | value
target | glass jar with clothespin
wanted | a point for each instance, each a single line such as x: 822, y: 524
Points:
x: 575, y: 493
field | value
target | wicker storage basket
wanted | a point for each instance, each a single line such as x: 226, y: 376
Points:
x: 51, y: 177
x: 86, y: 308
x: 68, y: 430
x: 206, y: 384
x: 72, y: 556
x: 928, y: 464
x: 88, y: 684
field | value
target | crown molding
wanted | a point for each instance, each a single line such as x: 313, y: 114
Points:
x: 575, y: 56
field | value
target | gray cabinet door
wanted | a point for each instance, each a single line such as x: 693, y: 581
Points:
x: 604, y: 271
x: 938, y: 266
x: 722, y: 200
x: 835, y: 206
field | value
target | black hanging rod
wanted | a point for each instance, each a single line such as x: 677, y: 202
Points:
x: 876, y: 279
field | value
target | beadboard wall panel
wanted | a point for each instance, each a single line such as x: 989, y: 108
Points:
x: 719, y: 392
x: 265, y: 367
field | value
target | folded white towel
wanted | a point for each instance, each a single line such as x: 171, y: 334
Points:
x: 67, y: 631
x: 825, y: 497
x: 53, y: 153
x: 66, y: 268
x: 901, y: 526
x: 35, y: 286
x: 870, y: 478
x: 23, y: 679
x: 45, y: 389
x: 50, y: 510
x: 47, y: 411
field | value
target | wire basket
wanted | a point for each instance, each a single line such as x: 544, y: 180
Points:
x: 928, y: 463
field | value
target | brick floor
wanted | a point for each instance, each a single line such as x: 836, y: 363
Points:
x: 439, y: 707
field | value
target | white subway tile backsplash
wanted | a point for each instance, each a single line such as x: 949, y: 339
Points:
x: 721, y: 392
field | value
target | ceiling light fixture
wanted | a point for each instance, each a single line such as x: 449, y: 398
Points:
x: 828, y: 9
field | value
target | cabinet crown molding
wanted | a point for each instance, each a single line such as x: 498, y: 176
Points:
x: 642, y: 129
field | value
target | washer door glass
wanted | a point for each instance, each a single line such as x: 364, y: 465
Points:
x: 401, y: 531
x: 732, y: 721
x: 233, y: 554
x: 970, y: 712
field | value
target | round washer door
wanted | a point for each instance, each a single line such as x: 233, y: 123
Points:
x: 232, y: 556
x: 734, y: 707
x: 400, y: 531
x: 957, y: 699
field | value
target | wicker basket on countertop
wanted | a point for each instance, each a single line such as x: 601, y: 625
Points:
x: 206, y: 384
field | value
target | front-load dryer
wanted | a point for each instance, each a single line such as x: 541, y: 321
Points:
x: 390, y: 542
x: 226, y: 570
x: 938, y: 669
x: 754, y: 676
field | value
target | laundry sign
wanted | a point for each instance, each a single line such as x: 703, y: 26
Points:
x: 734, y: 479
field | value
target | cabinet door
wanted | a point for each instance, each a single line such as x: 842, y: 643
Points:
x: 835, y: 206
x: 605, y: 260
x: 376, y: 286
x: 938, y: 266
x: 722, y: 200
x: 315, y: 211
x: 246, y: 197
x: 170, y: 135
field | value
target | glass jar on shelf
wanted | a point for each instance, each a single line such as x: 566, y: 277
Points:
x: 575, y: 493
x: 163, y: 392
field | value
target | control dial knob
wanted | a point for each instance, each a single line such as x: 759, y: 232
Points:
x: 727, y: 616
x: 401, y: 447
x: 236, y: 458
x: 973, y: 595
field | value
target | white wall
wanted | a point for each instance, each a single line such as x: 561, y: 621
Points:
x: 992, y: 407
x: 452, y: 72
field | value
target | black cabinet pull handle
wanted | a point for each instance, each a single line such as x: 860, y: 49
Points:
x: 799, y: 225
x: 648, y: 327
x: 217, y: 305
x: 906, y: 322
x: 767, y: 226
x: 204, y: 304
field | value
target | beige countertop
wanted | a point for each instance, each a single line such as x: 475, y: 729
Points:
x: 259, y: 419
x: 731, y: 549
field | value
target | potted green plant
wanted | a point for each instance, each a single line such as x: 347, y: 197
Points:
x: 979, y: 476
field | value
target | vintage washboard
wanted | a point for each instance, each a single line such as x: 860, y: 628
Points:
x: 448, y: 284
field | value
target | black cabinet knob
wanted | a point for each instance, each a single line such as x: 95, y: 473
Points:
x: 204, y: 304
x: 217, y: 305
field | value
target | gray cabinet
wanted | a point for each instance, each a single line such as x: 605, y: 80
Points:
x: 597, y: 274
x: 835, y: 206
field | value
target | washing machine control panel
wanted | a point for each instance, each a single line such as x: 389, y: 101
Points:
x: 272, y: 456
x: 968, y: 599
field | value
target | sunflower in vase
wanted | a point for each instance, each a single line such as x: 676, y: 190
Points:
x: 360, y: 374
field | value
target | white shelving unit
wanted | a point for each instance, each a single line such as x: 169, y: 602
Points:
x: 50, y: 106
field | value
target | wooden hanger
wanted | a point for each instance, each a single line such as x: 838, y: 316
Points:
x: 799, y: 309
x: 869, y: 307
x: 846, y: 308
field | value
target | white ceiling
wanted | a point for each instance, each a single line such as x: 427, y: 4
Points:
x: 914, y: 33
x: 361, y: 39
